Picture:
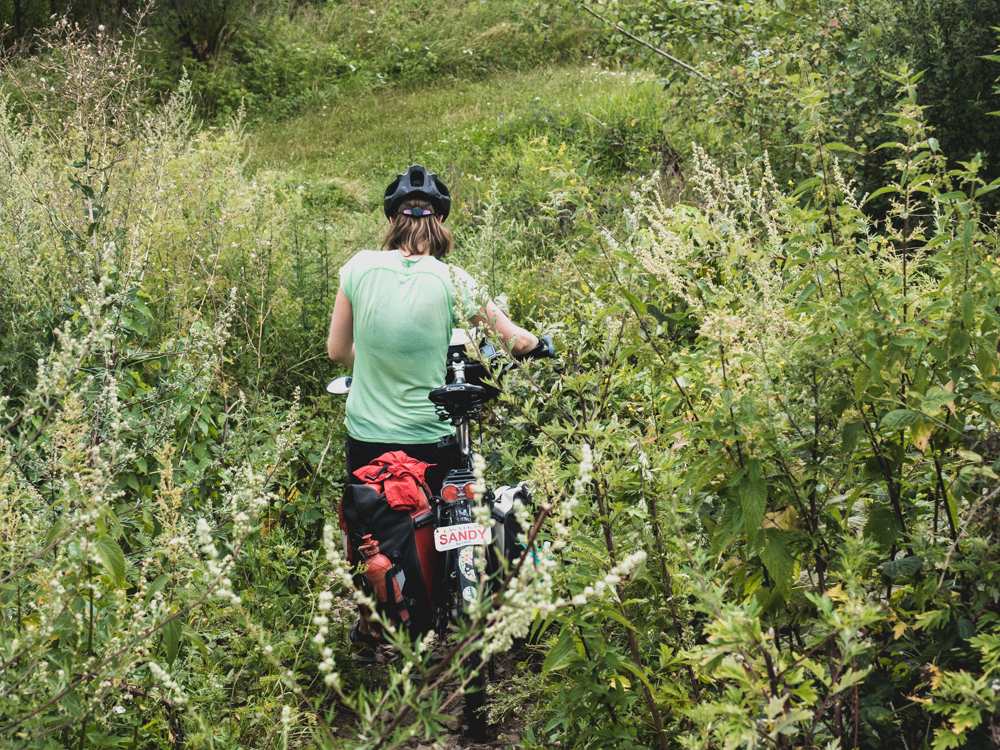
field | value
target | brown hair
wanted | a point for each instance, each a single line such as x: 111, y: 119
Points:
x: 417, y: 236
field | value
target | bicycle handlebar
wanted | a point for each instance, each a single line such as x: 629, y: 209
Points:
x: 543, y: 350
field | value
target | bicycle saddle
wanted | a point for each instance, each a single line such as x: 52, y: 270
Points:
x: 457, y: 399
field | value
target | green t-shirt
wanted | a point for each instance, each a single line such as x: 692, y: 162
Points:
x: 404, y: 310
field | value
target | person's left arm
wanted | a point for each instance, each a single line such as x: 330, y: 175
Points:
x: 340, y: 344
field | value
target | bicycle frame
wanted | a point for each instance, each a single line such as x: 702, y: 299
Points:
x: 457, y: 589
x: 457, y: 581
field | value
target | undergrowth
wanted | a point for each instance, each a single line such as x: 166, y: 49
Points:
x: 764, y: 460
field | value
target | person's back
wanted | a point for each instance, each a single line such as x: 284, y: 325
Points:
x: 404, y: 312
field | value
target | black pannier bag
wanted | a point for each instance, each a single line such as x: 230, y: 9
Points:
x: 406, y: 539
x: 506, y: 529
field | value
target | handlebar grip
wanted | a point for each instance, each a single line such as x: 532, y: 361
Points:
x: 544, y: 349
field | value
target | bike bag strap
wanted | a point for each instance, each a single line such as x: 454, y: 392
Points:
x: 358, y: 514
x: 391, y: 605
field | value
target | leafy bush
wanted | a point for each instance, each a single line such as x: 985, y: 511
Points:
x: 763, y: 73
x: 134, y: 467
x: 811, y: 480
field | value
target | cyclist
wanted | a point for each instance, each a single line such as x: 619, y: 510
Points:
x: 392, y: 323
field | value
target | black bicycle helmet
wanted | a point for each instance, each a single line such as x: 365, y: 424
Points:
x: 417, y: 182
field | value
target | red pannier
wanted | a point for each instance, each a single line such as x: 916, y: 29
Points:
x: 389, y: 527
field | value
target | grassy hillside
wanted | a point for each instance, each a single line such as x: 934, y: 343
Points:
x: 288, y: 61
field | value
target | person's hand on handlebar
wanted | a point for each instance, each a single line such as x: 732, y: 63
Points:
x: 542, y: 350
x: 515, y: 339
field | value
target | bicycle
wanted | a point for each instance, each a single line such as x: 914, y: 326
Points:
x: 458, y: 540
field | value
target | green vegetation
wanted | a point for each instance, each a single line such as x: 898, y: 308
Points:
x: 766, y: 458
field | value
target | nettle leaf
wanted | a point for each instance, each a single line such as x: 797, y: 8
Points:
x: 727, y: 529
x: 968, y: 310
x: 849, y: 436
x: 986, y: 361
x: 958, y: 342
x: 753, y: 497
x: 903, y: 567
x: 990, y: 315
x: 779, y: 561
x: 966, y: 628
x: 897, y: 419
x: 113, y: 558
x: 883, y: 525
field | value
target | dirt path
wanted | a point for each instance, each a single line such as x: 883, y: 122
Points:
x: 504, y: 734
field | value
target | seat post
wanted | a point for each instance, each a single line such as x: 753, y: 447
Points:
x: 462, y: 424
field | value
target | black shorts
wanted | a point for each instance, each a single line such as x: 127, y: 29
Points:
x: 443, y: 456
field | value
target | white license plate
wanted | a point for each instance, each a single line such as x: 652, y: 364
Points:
x: 461, y: 535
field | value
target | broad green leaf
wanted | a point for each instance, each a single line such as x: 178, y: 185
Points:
x: 966, y: 628
x: 920, y: 434
x: 840, y: 147
x: 113, y: 558
x: 157, y: 585
x: 640, y: 674
x: 883, y: 525
x: 986, y: 357
x: 779, y: 561
x: 71, y: 703
x: 806, y: 293
x: 952, y: 510
x: 562, y: 653
x: 903, y: 567
x: 728, y: 528
x: 172, y: 638
x: 862, y: 379
x: 968, y: 310
x: 56, y: 531
x: 955, y: 195
x: 615, y: 615
x: 639, y: 305
x: 883, y: 191
x: 935, y: 399
x: 849, y: 436
x: 897, y: 419
x: 753, y: 500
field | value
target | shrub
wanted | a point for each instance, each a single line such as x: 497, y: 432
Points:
x: 811, y: 480
x: 763, y: 73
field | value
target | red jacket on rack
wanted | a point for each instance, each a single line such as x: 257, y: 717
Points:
x: 400, y: 477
